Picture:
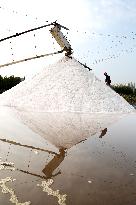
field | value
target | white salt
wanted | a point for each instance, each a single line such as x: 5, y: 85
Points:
x: 65, y: 86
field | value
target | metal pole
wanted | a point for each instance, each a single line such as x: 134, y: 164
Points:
x: 24, y: 32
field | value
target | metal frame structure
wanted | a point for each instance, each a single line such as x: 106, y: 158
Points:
x: 56, y: 33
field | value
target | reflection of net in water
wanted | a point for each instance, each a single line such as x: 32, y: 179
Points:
x: 64, y: 130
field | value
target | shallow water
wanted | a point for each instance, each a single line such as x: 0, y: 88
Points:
x: 99, y: 170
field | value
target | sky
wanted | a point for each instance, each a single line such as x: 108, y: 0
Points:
x: 102, y: 34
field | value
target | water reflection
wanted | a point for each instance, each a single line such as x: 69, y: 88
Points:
x: 63, y: 130
x: 67, y: 129
x: 49, y: 168
x: 54, y: 163
x: 86, y: 162
x: 103, y: 132
x: 45, y: 185
x: 6, y: 190
x: 27, y: 146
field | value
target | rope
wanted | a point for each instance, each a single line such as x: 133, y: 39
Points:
x: 31, y: 58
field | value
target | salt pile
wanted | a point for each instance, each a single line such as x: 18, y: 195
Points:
x: 65, y: 103
x: 65, y: 86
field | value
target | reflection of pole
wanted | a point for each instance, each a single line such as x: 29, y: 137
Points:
x: 27, y: 146
x: 53, y: 164
x: 33, y: 174
x: 50, y: 167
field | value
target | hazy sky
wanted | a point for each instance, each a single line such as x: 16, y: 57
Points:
x: 102, y: 34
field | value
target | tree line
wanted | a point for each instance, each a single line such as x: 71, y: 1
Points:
x: 8, y: 82
x: 126, y: 91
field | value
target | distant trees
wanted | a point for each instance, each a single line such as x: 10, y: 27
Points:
x: 8, y: 82
x: 123, y: 89
x: 126, y: 91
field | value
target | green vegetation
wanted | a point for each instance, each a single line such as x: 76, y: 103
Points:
x: 8, y: 82
x: 126, y: 91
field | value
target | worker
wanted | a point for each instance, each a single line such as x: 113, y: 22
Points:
x: 107, y: 79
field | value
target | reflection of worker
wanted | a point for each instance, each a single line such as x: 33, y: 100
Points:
x: 103, y: 133
x: 54, y: 163
x: 107, y: 79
